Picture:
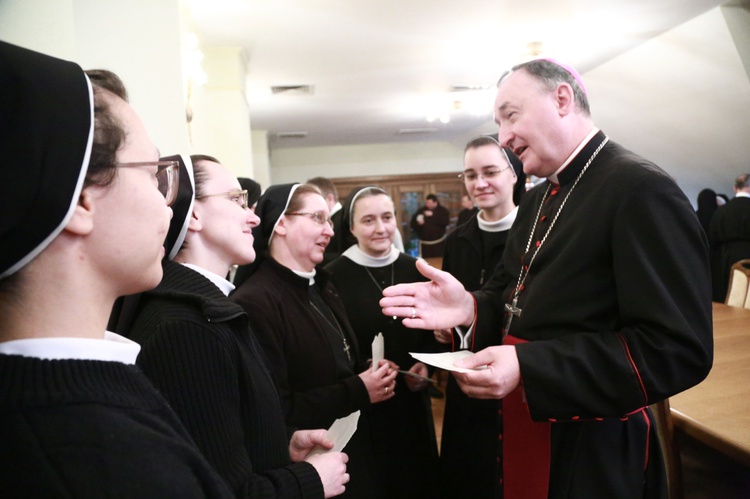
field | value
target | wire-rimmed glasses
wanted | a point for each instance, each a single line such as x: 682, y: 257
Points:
x: 239, y: 197
x: 167, y: 176
x: 319, y: 216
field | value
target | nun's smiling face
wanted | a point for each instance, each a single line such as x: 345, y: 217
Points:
x: 305, y: 237
x: 225, y: 224
x: 374, y: 224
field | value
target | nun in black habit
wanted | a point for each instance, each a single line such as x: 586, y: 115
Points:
x: 304, y: 329
x: 405, y: 444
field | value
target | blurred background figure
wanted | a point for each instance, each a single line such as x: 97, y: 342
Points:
x: 708, y: 203
x: 430, y: 222
x: 468, y: 210
x: 730, y: 233
x: 253, y: 189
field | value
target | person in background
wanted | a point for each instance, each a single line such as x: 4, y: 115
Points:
x: 470, y: 449
x: 83, y: 221
x: 304, y: 329
x: 197, y: 348
x: 430, y: 222
x: 730, y: 233
x: 590, y: 277
x: 468, y: 210
x: 707, y: 206
x: 402, y: 427
x: 331, y: 195
x: 253, y: 189
x: 239, y: 273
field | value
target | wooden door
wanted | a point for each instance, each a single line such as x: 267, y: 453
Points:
x: 408, y: 193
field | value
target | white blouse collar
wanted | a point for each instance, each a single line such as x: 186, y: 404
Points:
x: 500, y: 225
x: 355, y: 254
x: 224, y: 286
x: 111, y: 347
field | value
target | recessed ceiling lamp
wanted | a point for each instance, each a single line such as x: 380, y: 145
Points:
x: 413, y: 131
x: 534, y: 49
x: 291, y: 135
x: 293, y: 89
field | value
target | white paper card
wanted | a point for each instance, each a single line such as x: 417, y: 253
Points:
x: 445, y: 360
x: 339, y: 433
x: 378, y: 350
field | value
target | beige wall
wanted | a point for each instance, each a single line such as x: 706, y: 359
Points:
x: 143, y: 42
x: 300, y: 163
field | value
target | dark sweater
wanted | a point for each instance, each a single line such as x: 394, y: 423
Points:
x: 316, y: 388
x: 199, y: 351
x: 85, y: 428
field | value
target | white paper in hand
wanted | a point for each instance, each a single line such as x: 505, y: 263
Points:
x: 445, y: 360
x: 378, y: 351
x: 339, y: 433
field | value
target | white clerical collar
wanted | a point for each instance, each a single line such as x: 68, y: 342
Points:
x: 499, y: 225
x: 742, y: 194
x: 224, y: 286
x: 310, y: 276
x: 553, y: 177
x: 112, y: 347
x: 355, y: 254
x: 336, y: 207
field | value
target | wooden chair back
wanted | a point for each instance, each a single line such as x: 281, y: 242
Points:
x: 739, y: 282
x: 663, y: 416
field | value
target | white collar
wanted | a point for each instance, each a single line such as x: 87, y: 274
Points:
x: 499, y: 225
x: 310, y: 276
x: 336, y: 207
x: 224, y: 286
x: 112, y: 347
x: 553, y: 177
x: 355, y: 254
x: 742, y: 194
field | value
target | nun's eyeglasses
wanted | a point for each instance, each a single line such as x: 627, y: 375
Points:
x: 472, y: 176
x: 319, y: 217
x: 239, y: 197
x: 167, y: 177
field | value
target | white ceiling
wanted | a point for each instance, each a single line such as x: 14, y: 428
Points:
x: 376, y: 64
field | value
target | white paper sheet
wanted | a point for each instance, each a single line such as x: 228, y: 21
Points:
x: 445, y: 360
x: 378, y: 351
x: 339, y: 433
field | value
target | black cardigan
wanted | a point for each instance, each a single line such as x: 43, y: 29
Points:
x: 313, y: 387
x: 85, y: 428
x: 199, y: 351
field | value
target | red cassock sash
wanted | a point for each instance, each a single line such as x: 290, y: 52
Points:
x: 526, y: 446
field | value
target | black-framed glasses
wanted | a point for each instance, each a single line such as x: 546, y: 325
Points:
x: 472, y: 176
x: 167, y: 177
x: 239, y: 197
x: 319, y: 216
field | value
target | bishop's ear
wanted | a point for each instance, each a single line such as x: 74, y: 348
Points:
x: 564, y: 98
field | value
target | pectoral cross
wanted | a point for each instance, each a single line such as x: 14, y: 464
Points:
x: 347, y: 348
x: 512, y: 309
